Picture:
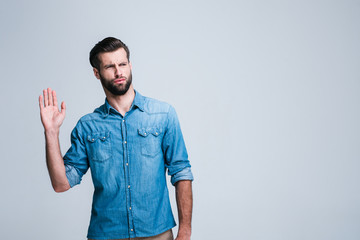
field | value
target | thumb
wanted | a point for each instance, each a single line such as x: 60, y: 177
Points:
x: 63, y: 108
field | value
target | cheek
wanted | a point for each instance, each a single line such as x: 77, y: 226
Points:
x: 128, y: 71
x: 108, y: 73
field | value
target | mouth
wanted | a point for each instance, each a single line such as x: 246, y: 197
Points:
x: 119, y: 80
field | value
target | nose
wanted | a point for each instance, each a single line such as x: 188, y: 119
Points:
x: 117, y: 71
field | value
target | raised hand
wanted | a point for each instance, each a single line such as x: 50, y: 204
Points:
x: 51, y: 117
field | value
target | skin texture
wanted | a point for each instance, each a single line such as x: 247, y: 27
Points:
x: 52, y: 119
x: 114, y: 66
x: 184, y: 200
x: 115, y: 76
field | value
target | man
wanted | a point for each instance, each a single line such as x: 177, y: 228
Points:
x: 128, y: 143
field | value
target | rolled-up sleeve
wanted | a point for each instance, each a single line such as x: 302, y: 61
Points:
x: 184, y: 174
x: 75, y: 159
x: 176, y: 157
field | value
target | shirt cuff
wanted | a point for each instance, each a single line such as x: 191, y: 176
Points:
x: 184, y: 174
x: 72, y: 175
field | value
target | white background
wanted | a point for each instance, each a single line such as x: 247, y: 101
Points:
x: 267, y: 93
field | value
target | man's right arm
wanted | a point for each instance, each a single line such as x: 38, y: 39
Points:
x: 52, y: 119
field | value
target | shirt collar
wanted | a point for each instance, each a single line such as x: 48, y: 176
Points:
x: 137, y: 102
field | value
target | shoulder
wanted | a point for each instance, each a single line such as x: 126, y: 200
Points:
x: 152, y: 105
x: 96, y: 115
x: 89, y: 121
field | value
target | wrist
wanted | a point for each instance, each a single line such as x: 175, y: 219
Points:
x: 184, y: 232
x: 51, y: 132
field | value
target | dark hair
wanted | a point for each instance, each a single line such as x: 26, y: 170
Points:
x: 108, y: 44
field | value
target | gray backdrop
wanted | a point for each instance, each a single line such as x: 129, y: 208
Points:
x: 267, y: 93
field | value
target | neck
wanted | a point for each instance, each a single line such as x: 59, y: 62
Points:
x: 121, y: 103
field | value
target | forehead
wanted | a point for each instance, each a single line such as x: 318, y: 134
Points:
x: 116, y: 56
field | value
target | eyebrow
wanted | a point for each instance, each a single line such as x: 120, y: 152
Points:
x: 113, y: 64
x: 109, y: 65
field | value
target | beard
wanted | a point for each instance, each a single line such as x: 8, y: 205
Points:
x: 116, y: 89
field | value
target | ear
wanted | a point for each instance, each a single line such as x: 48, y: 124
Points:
x: 96, y: 73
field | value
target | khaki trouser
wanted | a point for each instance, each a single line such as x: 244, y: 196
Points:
x: 168, y: 235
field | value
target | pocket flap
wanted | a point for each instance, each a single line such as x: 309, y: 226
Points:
x: 102, y: 136
x: 147, y: 131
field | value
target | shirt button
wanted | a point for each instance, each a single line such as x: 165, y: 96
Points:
x: 123, y: 120
x: 127, y: 164
x: 125, y: 142
x: 129, y: 186
x: 132, y: 230
x: 129, y: 208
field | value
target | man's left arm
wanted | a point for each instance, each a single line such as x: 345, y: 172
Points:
x: 184, y: 200
x: 179, y: 168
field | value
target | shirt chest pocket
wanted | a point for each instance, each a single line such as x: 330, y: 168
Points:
x: 99, y: 146
x: 150, y: 141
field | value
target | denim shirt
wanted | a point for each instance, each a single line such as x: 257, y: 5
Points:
x: 128, y: 157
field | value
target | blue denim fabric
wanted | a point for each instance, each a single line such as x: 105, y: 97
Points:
x: 128, y: 157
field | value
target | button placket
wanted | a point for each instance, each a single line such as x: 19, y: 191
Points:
x: 127, y: 181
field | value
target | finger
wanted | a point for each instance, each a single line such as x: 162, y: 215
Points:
x: 54, y: 98
x: 50, y: 97
x: 41, y: 105
x: 46, y: 100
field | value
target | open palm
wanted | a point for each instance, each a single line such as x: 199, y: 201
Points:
x: 51, y: 117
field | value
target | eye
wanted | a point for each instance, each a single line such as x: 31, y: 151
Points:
x: 108, y: 66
